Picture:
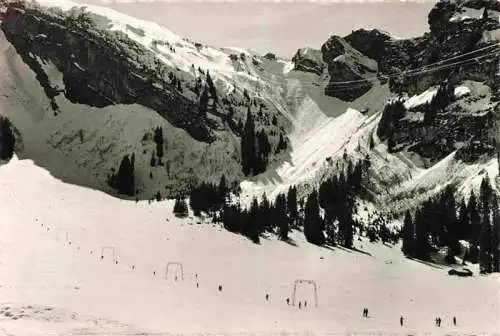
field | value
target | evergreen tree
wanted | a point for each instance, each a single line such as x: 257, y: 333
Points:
x: 265, y: 222
x: 408, y: 235
x: 282, y: 144
x: 450, y: 217
x: 152, y: 161
x: 495, y: 236
x: 393, y: 112
x: 485, y: 195
x: 485, y: 247
x: 291, y: 205
x: 422, y: 246
x: 222, y: 191
x: 248, y: 145
x: 180, y: 207
x: 262, y: 152
x: 158, y: 139
x: 203, y: 106
x: 283, y: 225
x: 463, y: 221
x: 7, y: 139
x: 124, y: 181
x: 312, y: 221
x: 444, y: 96
x: 372, y: 142
x: 252, y: 229
x: 475, y: 227
x: 211, y: 87
x: 485, y: 15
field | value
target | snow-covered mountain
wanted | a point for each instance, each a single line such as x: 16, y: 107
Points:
x: 95, y: 97
x: 95, y: 84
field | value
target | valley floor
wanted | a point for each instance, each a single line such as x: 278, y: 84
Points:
x: 54, y: 282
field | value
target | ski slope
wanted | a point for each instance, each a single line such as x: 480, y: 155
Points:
x: 49, y: 286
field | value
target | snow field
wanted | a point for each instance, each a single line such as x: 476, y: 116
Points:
x: 39, y: 268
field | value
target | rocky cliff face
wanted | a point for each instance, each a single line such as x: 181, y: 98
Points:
x: 309, y: 60
x: 87, y: 61
x: 348, y: 69
x: 99, y: 69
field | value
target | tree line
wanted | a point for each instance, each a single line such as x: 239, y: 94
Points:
x: 255, y: 148
x: 396, y: 110
x: 440, y: 222
x: 335, y: 197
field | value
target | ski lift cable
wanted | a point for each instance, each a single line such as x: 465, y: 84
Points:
x: 420, y: 70
x: 350, y: 85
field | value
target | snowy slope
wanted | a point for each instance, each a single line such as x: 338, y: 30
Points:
x: 62, y: 288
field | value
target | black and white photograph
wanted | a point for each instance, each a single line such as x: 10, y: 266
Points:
x: 249, y: 167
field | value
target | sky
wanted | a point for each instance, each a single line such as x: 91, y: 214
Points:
x: 279, y: 27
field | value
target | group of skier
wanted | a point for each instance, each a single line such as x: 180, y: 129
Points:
x: 437, y: 321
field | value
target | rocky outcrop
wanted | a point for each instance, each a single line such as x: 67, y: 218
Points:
x: 372, y: 43
x: 99, y: 67
x: 351, y: 73
x: 309, y: 60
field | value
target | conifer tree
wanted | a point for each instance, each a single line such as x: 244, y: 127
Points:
x: 222, y: 191
x: 158, y: 139
x: 265, y: 214
x: 283, y: 225
x: 485, y: 15
x: 252, y: 229
x: 485, y: 195
x: 408, y: 235
x: 180, y: 207
x: 211, y: 87
x: 422, y: 247
x: 262, y: 152
x: 495, y: 236
x: 463, y: 221
x: 475, y: 227
x: 124, y: 181
x: 7, y: 139
x: 312, y: 220
x: 291, y: 205
x: 203, y: 107
x: 248, y: 145
x: 485, y: 247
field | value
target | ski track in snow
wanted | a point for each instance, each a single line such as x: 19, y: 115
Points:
x: 41, y: 269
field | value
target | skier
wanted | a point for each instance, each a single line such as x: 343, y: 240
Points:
x: 197, y: 285
x: 220, y: 288
x: 154, y: 273
x: 300, y: 305
x: 401, y: 320
x: 454, y: 321
x: 366, y: 312
x: 267, y: 297
x: 288, y: 301
x: 133, y: 267
x: 439, y: 322
x: 305, y: 304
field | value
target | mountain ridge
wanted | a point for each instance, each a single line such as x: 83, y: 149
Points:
x: 356, y: 71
